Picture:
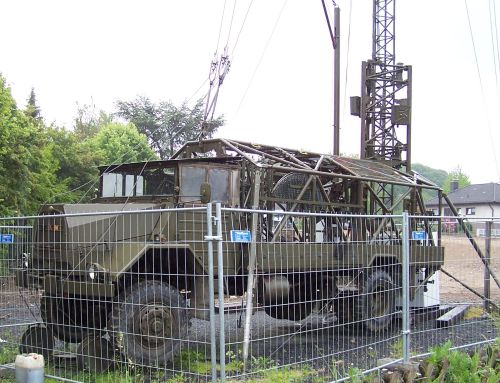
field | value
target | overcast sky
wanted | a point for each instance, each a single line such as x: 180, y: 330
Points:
x: 101, y: 51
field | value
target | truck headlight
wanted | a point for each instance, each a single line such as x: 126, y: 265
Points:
x: 26, y: 260
x: 95, y: 272
x: 91, y: 272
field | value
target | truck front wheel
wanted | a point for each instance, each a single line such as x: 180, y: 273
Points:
x: 149, y: 322
x: 376, y: 305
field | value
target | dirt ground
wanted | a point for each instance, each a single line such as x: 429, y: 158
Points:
x: 462, y: 261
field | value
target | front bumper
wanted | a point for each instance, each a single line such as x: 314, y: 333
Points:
x: 56, y: 286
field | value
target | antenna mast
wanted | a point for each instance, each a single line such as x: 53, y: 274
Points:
x: 385, y: 102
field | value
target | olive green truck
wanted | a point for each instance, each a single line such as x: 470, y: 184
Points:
x: 134, y: 262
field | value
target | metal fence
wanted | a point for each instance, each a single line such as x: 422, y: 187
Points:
x: 207, y: 293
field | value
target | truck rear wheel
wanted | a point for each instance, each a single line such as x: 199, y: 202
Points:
x: 376, y: 305
x: 71, y: 318
x: 294, y: 303
x: 149, y: 322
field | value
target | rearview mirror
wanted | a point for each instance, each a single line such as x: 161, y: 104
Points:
x: 205, y: 192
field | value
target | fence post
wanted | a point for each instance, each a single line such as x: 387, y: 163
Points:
x: 220, y: 279
x: 251, y: 272
x: 406, y: 287
x: 213, y: 346
x: 487, y: 255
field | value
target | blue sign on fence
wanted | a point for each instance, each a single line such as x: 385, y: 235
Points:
x: 6, y: 238
x: 419, y: 235
x: 241, y: 236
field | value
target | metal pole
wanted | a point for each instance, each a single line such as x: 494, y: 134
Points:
x: 220, y: 279
x: 251, y: 272
x: 336, y: 85
x: 406, y: 287
x: 487, y: 255
x: 213, y: 345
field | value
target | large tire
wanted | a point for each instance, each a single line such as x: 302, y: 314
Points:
x: 148, y: 322
x: 70, y: 319
x: 376, y: 305
x: 295, y: 311
x: 296, y: 305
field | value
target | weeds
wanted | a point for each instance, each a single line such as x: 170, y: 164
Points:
x: 396, y: 348
x: 8, y: 352
x: 474, y: 312
x: 445, y: 365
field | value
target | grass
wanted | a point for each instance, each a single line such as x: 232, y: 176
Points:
x: 474, y: 312
x: 446, y: 365
x: 442, y: 366
x: 8, y: 352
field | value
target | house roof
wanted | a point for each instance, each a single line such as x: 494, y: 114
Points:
x: 473, y: 194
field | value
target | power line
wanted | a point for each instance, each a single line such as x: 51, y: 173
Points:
x: 241, y: 29
x: 494, y: 44
x: 197, y: 90
x: 220, y: 28
x: 347, y: 56
x: 262, y: 55
x: 231, y: 23
x: 492, y: 141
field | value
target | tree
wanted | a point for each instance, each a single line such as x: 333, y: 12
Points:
x: 456, y: 175
x: 166, y: 126
x: 76, y: 173
x: 32, y: 109
x: 118, y: 143
x: 88, y: 121
x: 437, y: 176
x: 26, y: 162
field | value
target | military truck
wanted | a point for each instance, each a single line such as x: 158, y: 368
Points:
x: 139, y: 269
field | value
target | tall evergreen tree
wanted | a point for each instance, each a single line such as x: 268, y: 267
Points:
x: 32, y: 108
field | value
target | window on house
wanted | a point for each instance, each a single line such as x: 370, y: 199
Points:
x: 470, y: 211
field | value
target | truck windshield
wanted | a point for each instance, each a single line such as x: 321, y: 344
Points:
x: 148, y: 182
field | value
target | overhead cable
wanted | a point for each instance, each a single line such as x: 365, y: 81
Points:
x: 241, y: 28
x: 262, y: 55
x: 347, y: 56
x: 492, y: 141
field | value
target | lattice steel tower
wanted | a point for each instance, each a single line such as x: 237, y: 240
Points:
x: 385, y: 102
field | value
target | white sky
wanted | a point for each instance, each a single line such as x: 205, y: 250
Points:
x: 102, y: 51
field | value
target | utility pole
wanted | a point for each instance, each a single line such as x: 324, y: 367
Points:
x: 336, y: 85
x: 385, y: 103
x: 335, y: 37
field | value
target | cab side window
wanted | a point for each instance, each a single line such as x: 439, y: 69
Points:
x: 219, y: 183
x: 219, y: 178
x: 191, y: 180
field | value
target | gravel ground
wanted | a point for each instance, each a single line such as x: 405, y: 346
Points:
x: 321, y: 345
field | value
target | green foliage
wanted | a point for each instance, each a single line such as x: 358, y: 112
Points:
x: 117, y: 143
x: 43, y: 164
x: 26, y: 177
x: 8, y: 352
x: 355, y: 375
x: 76, y: 170
x: 437, y: 176
x: 89, y: 121
x: 32, y: 108
x: 456, y: 175
x: 166, y: 126
x: 453, y: 366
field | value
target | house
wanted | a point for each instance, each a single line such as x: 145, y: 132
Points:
x: 477, y: 202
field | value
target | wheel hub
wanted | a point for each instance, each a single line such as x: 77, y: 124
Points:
x: 154, y: 324
x: 380, y: 304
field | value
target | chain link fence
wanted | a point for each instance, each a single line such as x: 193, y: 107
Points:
x: 210, y: 293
